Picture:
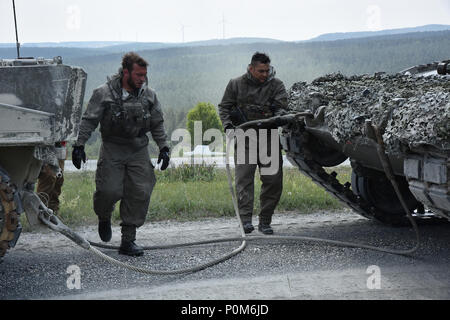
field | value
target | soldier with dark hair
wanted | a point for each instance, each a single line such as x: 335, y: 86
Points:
x: 255, y: 95
x: 259, y: 57
x: 127, y: 110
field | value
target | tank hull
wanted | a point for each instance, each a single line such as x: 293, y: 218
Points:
x: 412, y: 113
x: 40, y: 106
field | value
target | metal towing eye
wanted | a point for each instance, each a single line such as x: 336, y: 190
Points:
x: 53, y: 222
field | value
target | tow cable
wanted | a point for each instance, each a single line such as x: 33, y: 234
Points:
x: 54, y: 223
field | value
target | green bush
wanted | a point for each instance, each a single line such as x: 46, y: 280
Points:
x: 194, y: 192
x: 187, y: 172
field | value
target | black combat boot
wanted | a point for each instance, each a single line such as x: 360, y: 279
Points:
x: 104, y: 230
x: 265, y: 228
x: 130, y: 248
x: 248, y: 227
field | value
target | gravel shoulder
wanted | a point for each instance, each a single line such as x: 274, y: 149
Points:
x: 272, y: 269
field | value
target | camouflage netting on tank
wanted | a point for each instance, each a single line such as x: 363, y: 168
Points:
x: 411, y: 111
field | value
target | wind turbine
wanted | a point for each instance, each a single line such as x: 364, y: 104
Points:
x: 182, y: 31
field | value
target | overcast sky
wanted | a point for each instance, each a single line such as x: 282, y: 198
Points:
x: 163, y: 20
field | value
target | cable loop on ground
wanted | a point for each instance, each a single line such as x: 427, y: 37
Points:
x: 55, y: 224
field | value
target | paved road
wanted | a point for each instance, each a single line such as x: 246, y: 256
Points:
x: 91, y: 165
x: 38, y: 267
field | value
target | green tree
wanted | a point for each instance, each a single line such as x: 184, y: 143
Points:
x: 207, y: 114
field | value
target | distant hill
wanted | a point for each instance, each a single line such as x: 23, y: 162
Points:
x: 73, y: 44
x: 50, y: 52
x: 216, y: 42
x: 185, y: 75
x: 139, y: 46
x: 122, y: 46
x: 118, y: 46
x: 365, y: 34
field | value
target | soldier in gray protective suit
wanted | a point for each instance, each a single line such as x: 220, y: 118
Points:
x: 126, y: 110
x: 253, y: 96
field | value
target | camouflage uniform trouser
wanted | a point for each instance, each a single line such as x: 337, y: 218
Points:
x: 124, y: 174
x: 49, y: 186
x: 271, y: 188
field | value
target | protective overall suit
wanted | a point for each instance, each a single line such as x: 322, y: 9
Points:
x: 255, y: 101
x: 124, y: 170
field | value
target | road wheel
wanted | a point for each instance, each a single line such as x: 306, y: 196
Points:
x: 378, y: 191
x: 324, y: 155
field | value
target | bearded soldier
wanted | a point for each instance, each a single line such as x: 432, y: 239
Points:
x: 126, y: 110
x: 253, y: 96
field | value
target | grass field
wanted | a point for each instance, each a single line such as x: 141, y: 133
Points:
x: 190, y: 193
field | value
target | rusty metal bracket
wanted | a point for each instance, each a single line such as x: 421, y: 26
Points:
x: 53, y: 222
x: 10, y: 232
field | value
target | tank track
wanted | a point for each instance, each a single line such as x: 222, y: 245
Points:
x: 298, y: 155
x: 417, y: 70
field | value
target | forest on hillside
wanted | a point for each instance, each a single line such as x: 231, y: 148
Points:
x: 182, y: 77
x: 185, y: 76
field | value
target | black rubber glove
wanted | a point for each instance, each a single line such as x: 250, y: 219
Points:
x: 164, y: 156
x: 229, y: 130
x: 229, y: 127
x: 78, y: 155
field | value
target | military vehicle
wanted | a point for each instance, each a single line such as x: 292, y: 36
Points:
x: 40, y: 106
x: 411, y: 113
